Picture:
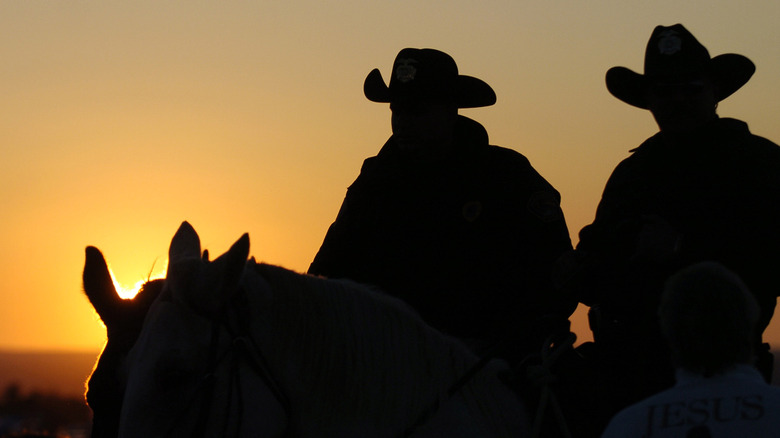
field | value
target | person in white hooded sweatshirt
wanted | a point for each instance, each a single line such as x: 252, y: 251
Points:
x: 708, y: 316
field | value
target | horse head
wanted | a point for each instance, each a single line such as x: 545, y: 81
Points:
x: 186, y: 364
x: 123, y: 320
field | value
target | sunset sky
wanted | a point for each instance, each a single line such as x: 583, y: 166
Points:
x: 119, y: 120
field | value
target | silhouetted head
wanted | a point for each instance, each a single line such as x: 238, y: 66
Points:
x: 424, y: 94
x: 708, y: 316
x: 681, y: 84
x: 123, y: 320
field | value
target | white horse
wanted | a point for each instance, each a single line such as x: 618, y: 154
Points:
x: 235, y: 348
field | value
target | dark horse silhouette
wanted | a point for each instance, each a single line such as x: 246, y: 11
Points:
x: 123, y: 319
x: 572, y: 381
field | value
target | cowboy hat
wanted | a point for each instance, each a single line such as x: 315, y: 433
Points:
x: 674, y: 55
x: 428, y: 73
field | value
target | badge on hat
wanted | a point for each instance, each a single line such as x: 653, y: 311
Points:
x: 669, y: 42
x: 405, y: 70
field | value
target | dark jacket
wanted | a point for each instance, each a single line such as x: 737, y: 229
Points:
x: 467, y: 239
x: 718, y: 189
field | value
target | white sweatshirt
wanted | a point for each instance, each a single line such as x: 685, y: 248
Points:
x: 738, y: 403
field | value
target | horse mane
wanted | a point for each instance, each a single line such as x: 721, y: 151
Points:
x: 354, y: 348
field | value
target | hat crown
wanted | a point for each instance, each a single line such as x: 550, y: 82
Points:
x: 424, y: 73
x: 674, y: 53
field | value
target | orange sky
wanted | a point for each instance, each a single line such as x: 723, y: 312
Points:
x: 121, y: 119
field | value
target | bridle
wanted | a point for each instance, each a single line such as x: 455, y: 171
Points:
x: 243, y: 349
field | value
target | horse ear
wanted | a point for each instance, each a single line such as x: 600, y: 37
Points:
x: 183, y: 260
x: 221, y: 278
x: 205, y: 286
x: 99, y: 287
x: 184, y: 245
x: 235, y: 261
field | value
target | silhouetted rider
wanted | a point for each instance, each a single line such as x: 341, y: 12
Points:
x: 703, y: 188
x: 463, y: 231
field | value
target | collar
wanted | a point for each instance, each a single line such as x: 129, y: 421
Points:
x: 715, y: 130
x: 470, y: 136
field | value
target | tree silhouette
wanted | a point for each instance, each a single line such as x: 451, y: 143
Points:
x: 41, y: 414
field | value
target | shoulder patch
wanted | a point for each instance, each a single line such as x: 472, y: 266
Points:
x: 472, y: 210
x: 545, y: 205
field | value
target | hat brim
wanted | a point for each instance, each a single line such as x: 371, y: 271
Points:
x: 374, y: 87
x: 628, y: 86
x: 471, y: 92
x: 729, y: 72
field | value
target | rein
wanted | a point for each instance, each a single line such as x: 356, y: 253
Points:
x: 433, y: 408
x: 242, y: 349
